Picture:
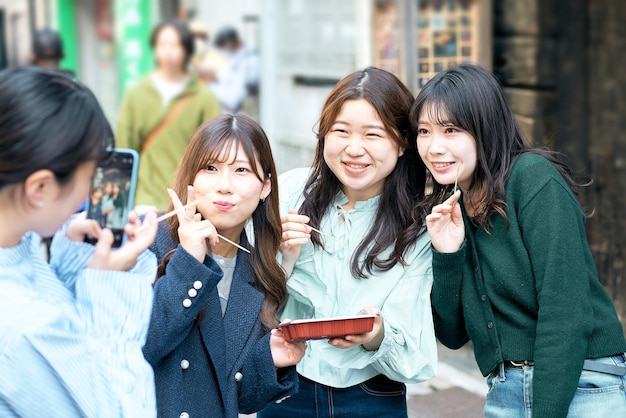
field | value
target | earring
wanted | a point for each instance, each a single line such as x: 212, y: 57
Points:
x: 39, y: 204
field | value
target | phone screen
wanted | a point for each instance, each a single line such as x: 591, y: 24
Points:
x: 112, y: 193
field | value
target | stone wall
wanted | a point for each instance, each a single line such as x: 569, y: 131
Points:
x: 562, y: 63
x: 607, y: 150
x: 525, y: 60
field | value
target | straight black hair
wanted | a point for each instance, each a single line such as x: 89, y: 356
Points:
x: 48, y: 120
x: 470, y: 97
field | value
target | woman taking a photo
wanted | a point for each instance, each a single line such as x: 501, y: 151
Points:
x: 71, y: 331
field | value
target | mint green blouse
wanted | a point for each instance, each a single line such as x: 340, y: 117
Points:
x: 321, y: 286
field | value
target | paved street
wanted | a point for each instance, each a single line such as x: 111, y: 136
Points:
x: 458, y: 390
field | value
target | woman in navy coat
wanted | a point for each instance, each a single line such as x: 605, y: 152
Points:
x: 209, y: 340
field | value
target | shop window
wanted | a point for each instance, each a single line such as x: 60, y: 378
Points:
x: 451, y: 32
x: 386, y: 36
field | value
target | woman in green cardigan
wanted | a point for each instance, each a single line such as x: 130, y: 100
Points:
x: 512, y: 268
x: 159, y: 114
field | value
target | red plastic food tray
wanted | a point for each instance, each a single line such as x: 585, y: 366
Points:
x: 317, y: 329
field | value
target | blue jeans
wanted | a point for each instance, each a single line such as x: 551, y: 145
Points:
x: 378, y: 397
x: 598, y: 395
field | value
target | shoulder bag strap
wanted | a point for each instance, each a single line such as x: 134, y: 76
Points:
x: 166, y: 121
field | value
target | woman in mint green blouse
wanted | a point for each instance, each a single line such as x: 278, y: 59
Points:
x: 364, y: 183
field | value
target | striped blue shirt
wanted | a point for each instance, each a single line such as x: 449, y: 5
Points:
x: 71, y: 337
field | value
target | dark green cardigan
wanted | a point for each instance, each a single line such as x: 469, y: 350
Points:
x: 529, y: 290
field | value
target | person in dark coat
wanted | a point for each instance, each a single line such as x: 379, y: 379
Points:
x: 209, y: 341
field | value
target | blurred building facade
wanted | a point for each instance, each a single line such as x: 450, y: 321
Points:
x: 105, y: 41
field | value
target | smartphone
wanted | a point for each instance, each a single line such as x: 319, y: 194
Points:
x: 112, y: 193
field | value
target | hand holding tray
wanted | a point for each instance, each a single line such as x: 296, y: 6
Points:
x: 320, y: 328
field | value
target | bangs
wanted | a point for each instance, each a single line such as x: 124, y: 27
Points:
x: 438, y: 112
x: 446, y: 102
x: 219, y: 151
x: 225, y: 150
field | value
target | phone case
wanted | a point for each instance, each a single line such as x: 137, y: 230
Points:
x: 112, y: 192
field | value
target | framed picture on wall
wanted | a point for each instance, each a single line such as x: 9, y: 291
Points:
x: 450, y: 32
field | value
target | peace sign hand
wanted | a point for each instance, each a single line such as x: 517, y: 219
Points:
x: 193, y: 231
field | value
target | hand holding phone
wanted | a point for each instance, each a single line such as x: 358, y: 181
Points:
x: 112, y: 193
x: 80, y: 227
x: 140, y: 236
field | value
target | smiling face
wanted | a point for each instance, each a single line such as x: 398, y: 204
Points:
x: 359, y: 151
x: 230, y: 190
x: 446, y: 148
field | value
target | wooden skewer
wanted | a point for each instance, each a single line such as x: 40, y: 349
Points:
x: 195, y: 202
x: 170, y: 214
x: 456, y: 180
x: 175, y: 211
x: 320, y: 232
x: 233, y: 243
x: 323, y: 233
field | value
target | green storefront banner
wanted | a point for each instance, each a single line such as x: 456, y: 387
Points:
x: 66, y: 22
x: 133, y: 24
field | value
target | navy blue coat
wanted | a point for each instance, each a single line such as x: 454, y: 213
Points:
x: 218, y: 366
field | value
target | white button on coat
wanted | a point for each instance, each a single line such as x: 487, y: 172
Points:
x: 184, y: 364
x: 197, y: 285
x: 192, y: 293
x: 187, y: 303
x: 238, y: 377
x: 184, y: 415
